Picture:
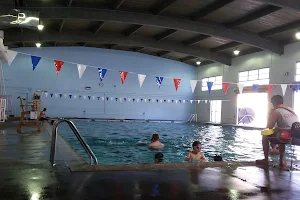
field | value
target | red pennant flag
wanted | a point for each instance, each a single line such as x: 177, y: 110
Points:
x: 177, y: 83
x: 123, y: 76
x: 58, y: 65
x: 225, y: 87
x: 270, y: 88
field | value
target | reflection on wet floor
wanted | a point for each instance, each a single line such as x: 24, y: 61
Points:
x: 25, y: 173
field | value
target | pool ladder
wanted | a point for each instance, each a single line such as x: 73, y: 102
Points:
x: 92, y: 157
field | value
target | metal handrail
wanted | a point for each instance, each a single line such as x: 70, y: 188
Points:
x: 92, y: 157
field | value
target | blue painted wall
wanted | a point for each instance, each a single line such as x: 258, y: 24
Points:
x: 21, y: 80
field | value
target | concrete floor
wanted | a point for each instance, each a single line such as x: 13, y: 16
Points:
x: 25, y: 173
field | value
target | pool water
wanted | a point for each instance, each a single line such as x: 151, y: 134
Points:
x: 126, y: 142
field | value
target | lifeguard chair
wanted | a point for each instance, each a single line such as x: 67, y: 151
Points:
x: 30, y: 113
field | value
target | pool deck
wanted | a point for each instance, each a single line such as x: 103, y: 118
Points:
x: 26, y: 173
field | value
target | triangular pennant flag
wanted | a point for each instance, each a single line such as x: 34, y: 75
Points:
x: 116, y: 99
x: 141, y: 78
x: 270, y: 88
x: 205, y: 101
x: 81, y: 68
x: 241, y: 87
x: 89, y: 97
x: 79, y: 96
x: 159, y: 80
x: 283, y: 87
x: 176, y: 101
x: 56, y: 95
x: 209, y: 86
x: 179, y: 101
x: 133, y: 100
x: 60, y: 95
x: 191, y: 101
x: 65, y: 96
x: 297, y: 87
x: 102, y: 98
x: 46, y: 94
x: 157, y: 100
x: 93, y: 97
x: 165, y: 101
x: 120, y: 99
x: 51, y: 94
x: 35, y: 61
x: 129, y: 99
x: 198, y: 101
x: 123, y: 76
x: 172, y: 101
x: 255, y: 87
x: 107, y: 98
x: 176, y: 83
x: 75, y: 96
x: 193, y: 85
x: 102, y: 72
x: 183, y: 101
x: 169, y: 100
x: 98, y: 98
x: 225, y: 87
x: 111, y: 98
x: 124, y: 99
x: 58, y: 65
x: 149, y: 100
x: 142, y: 100
x: 11, y: 55
x: 84, y: 97
x: 70, y: 96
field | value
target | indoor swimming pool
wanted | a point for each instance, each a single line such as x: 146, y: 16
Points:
x: 116, y: 142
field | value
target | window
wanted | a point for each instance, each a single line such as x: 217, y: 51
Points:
x: 215, y: 111
x: 217, y: 83
x: 298, y: 72
x: 257, y: 76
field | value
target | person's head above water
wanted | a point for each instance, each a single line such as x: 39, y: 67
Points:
x: 45, y: 109
x: 158, y: 158
x: 276, y: 100
x: 155, y: 137
x: 218, y: 158
x: 196, y: 146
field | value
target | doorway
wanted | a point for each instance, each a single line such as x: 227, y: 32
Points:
x: 215, y: 111
x: 252, y: 109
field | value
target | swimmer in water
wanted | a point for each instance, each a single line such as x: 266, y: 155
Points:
x: 196, y: 154
x: 158, y: 158
x: 155, y: 143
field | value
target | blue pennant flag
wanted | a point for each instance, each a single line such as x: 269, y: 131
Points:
x: 297, y: 87
x: 255, y: 87
x: 51, y: 94
x: 35, y: 61
x: 149, y: 100
x: 159, y: 80
x: 179, y: 101
x: 165, y: 101
x: 98, y: 98
x: 60, y: 95
x: 107, y: 98
x: 125, y: 99
x: 116, y: 99
x: 133, y: 100
x: 209, y: 86
x: 172, y: 101
x: 142, y: 100
x: 157, y: 100
x: 70, y: 96
x: 79, y: 96
x: 102, y: 73
x: 89, y: 97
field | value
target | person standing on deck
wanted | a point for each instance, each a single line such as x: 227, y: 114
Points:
x: 281, y: 117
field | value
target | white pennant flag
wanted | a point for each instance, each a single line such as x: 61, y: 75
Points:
x: 241, y: 87
x: 183, y: 101
x: 205, y: 101
x: 129, y: 99
x: 10, y: 56
x: 56, y: 95
x: 161, y: 101
x: 137, y: 100
x: 111, y: 98
x: 75, y: 96
x: 191, y: 101
x: 145, y: 100
x: 283, y: 87
x: 81, y: 68
x: 93, y: 97
x: 193, y: 85
x: 176, y: 101
x: 65, y: 96
x: 46, y: 94
x: 141, y: 78
x: 169, y: 101
x: 84, y: 97
x: 102, y: 98
x: 198, y: 101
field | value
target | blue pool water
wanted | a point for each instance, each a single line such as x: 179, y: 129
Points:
x: 126, y: 142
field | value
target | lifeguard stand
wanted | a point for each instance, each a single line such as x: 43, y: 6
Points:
x: 30, y: 113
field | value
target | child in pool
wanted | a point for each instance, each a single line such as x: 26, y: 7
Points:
x: 155, y: 143
x: 196, y: 154
x: 158, y: 158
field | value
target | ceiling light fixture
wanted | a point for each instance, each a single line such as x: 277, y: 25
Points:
x: 40, y: 27
x: 298, y: 35
x: 38, y: 45
x: 236, y: 52
x: 198, y: 62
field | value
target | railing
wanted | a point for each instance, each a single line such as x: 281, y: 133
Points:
x: 2, y: 109
x: 92, y: 157
x: 193, y: 117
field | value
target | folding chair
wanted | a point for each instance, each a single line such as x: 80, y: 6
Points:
x: 295, y: 139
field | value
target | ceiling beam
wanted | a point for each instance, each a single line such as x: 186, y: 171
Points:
x: 201, y: 27
x: 196, y: 39
x: 206, y: 62
x: 161, y: 8
x: 210, y: 8
x: 280, y: 29
x: 69, y: 3
x: 99, y: 26
x: 289, y: 4
x: 117, y: 4
x: 84, y: 36
x: 164, y: 35
x: 138, y: 49
x: 132, y: 30
x: 225, y: 46
x: 263, y: 11
x: 163, y: 53
x: 187, y: 58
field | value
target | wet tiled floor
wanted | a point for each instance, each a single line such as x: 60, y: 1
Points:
x: 25, y: 173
